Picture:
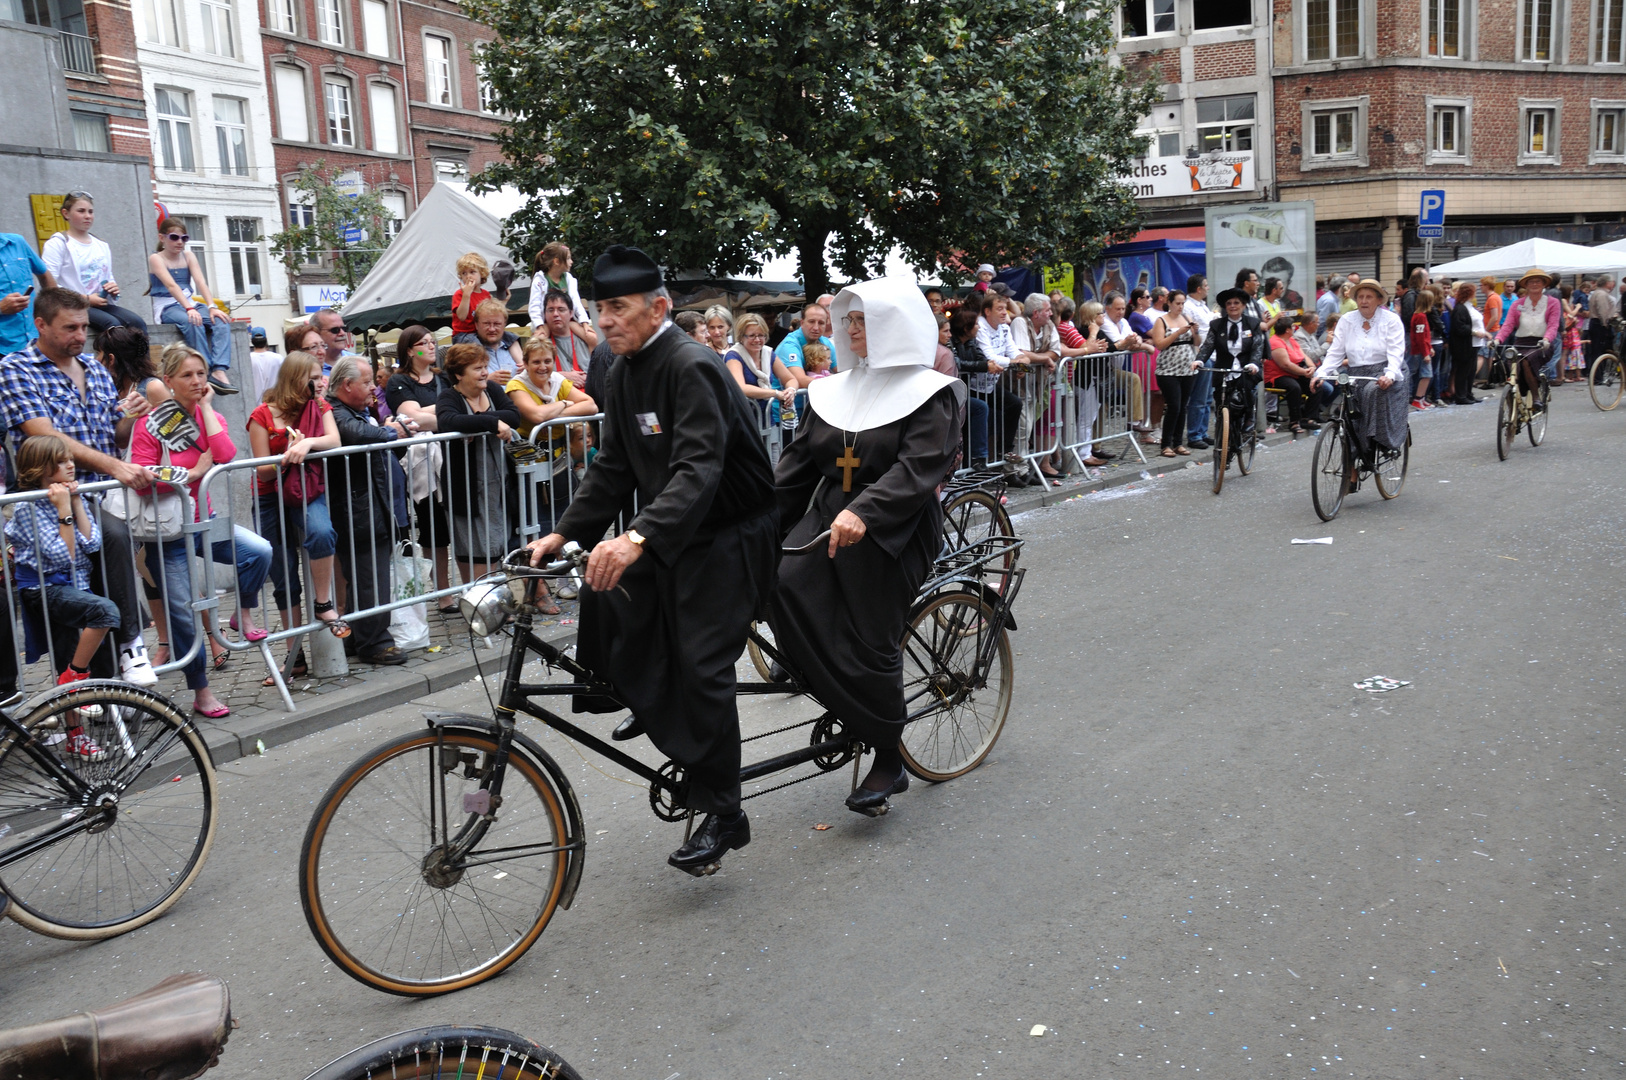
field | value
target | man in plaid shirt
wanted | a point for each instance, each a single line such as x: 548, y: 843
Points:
x: 51, y: 388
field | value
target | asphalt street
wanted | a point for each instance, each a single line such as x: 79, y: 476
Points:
x: 1197, y: 847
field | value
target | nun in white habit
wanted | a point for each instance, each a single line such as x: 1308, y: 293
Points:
x: 866, y: 464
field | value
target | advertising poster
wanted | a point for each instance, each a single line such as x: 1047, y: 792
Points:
x: 1274, y: 239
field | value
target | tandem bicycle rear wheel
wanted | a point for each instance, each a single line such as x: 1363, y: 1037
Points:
x: 957, y: 681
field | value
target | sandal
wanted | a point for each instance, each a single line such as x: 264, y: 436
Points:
x: 299, y: 670
x: 336, y: 626
x: 154, y: 661
x: 253, y: 633
x: 1168, y: 451
x: 1182, y: 451
x: 220, y: 660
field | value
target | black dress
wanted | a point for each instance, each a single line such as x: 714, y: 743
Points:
x: 480, y: 487
x: 433, y: 529
x: 679, y: 435
x: 840, y: 622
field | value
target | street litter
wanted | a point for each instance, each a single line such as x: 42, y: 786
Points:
x: 1378, y: 684
x: 821, y: 827
x: 259, y: 746
x: 1038, y: 1029
x: 1317, y: 540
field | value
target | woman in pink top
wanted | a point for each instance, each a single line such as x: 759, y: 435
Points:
x: 1533, y: 323
x: 196, y: 447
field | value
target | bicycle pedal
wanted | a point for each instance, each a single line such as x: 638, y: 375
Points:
x: 702, y: 871
x: 877, y: 811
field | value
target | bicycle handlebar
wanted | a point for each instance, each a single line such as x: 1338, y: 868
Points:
x: 819, y: 541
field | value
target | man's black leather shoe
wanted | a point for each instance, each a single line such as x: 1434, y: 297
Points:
x: 716, y: 837
x: 873, y: 803
x: 629, y: 728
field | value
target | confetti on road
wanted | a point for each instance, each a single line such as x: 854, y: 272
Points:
x: 1038, y: 1029
x: 1317, y: 540
x: 821, y: 827
x: 1379, y: 684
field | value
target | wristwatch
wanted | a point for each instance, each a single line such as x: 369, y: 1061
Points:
x: 64, y: 520
x: 636, y: 537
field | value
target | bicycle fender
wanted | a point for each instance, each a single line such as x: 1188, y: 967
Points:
x: 573, y: 811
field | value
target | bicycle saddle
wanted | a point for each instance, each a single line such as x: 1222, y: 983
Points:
x: 174, y: 1031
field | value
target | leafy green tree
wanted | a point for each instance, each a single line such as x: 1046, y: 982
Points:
x: 334, y: 209
x: 715, y: 132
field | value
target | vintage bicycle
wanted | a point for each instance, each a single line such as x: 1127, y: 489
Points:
x: 1336, y: 469
x: 1518, y: 411
x: 93, y: 849
x: 438, y: 858
x: 1606, y: 380
x: 1236, y: 429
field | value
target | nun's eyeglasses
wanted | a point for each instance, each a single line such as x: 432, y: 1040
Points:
x: 850, y: 321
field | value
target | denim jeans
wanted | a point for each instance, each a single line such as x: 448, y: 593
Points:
x: 212, y: 338
x: 977, y: 429
x: 172, y: 572
x: 1200, y: 408
x: 288, y: 527
x: 105, y: 318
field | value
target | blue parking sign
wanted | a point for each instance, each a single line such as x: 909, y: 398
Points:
x: 1431, y: 215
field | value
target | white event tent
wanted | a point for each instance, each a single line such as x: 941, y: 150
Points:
x: 1553, y: 256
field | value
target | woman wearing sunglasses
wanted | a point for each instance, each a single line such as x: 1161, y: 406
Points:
x: 177, y: 285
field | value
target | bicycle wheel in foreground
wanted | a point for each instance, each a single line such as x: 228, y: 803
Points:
x: 382, y: 900
x: 1329, y: 470
x: 1536, y: 429
x: 1390, y: 470
x: 487, y: 1053
x: 1222, y: 446
x: 133, y: 841
x: 1506, y: 423
x: 957, y: 680
x: 1605, y: 382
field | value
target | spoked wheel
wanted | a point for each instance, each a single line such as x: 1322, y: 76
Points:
x: 1536, y: 428
x: 1222, y: 447
x: 1329, y: 470
x: 1506, y: 423
x: 978, y: 514
x: 130, y: 843
x: 957, y: 678
x: 759, y: 659
x: 1604, y: 382
x: 1390, y: 472
x: 1247, y: 443
x: 380, y: 890
x: 447, y: 1052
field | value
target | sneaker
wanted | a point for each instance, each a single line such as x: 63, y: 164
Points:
x: 134, y: 667
x: 68, y: 678
x: 1417, y: 403
x: 85, y: 748
x: 568, y: 590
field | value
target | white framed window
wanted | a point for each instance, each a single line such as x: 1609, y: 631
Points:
x: 301, y: 215
x: 375, y: 27
x: 341, y: 115
x: 330, y: 21
x: 243, y: 249
x: 293, y: 111
x: 1148, y: 18
x: 1607, y: 44
x: 231, y: 135
x: 174, y: 123
x: 1332, y: 29
x: 386, y: 124
x: 1445, y: 29
x: 1450, y: 124
x: 437, y: 69
x: 1221, y: 14
x: 488, y: 93
x: 283, y: 16
x: 197, y: 228
x: 1608, y: 131
x: 1539, y: 131
x: 395, y: 205
x: 1538, y: 34
x: 1225, y: 123
x: 455, y: 170
x: 219, y: 33
x: 1164, y: 131
x: 1334, y: 133
x: 163, y: 21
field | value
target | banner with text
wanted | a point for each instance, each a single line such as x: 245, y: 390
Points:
x: 1169, y: 177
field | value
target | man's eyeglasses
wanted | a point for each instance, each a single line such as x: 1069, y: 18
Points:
x: 177, y: 236
x: 850, y: 321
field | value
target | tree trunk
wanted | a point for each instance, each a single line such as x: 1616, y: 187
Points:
x: 810, y: 260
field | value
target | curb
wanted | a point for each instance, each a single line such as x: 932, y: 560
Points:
x: 235, y: 738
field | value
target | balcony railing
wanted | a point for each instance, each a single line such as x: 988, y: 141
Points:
x: 78, y: 54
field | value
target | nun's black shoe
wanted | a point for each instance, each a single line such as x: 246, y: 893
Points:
x: 873, y: 803
x: 629, y: 728
x: 716, y: 837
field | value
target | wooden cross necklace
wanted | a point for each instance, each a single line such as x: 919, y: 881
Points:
x: 847, y: 462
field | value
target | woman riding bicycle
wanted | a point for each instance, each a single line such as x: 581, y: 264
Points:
x: 1532, y: 322
x: 1370, y: 342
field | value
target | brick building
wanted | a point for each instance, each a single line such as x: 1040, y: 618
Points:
x: 389, y: 91
x: 1516, y: 108
x: 99, y: 68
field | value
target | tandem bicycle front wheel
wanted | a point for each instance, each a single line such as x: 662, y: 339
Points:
x: 485, y: 1052
x: 957, y: 681
x: 1329, y: 470
x: 383, y: 896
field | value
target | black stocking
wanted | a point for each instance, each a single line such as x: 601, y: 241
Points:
x: 884, y: 770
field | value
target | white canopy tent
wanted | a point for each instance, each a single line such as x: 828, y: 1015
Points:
x: 1552, y: 256
x: 417, y: 274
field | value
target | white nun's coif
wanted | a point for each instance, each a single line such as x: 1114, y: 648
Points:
x: 897, y: 376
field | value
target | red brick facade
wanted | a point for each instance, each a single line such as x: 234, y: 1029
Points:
x: 1163, y: 66
x: 114, y: 91
x: 1231, y: 60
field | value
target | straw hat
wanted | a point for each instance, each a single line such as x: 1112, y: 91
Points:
x: 1537, y: 272
x: 1368, y: 283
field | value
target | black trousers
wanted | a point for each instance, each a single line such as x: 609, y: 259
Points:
x: 113, y: 575
x: 1176, y: 396
x: 105, y: 318
x: 1295, y: 390
x: 367, y: 568
x: 1004, y: 417
x: 1464, y: 365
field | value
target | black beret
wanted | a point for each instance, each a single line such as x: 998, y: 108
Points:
x: 623, y: 271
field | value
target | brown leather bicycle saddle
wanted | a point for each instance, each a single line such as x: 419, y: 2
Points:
x: 174, y: 1031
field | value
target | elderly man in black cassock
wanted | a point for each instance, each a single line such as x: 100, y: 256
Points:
x: 668, y: 602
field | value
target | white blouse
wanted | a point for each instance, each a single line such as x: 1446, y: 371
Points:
x: 1361, y: 342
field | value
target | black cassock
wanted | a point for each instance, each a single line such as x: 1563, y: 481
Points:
x: 679, y: 434
x: 840, y: 622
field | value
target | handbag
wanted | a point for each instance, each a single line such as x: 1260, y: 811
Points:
x: 303, y: 482
x: 149, y: 517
